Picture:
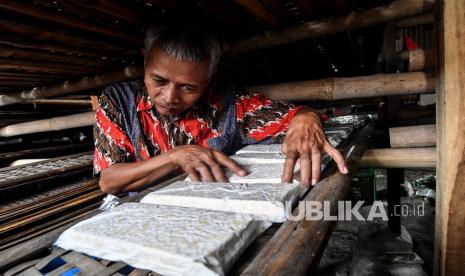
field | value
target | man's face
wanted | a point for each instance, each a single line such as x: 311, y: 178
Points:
x: 174, y: 86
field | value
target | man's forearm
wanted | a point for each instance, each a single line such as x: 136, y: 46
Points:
x: 123, y: 177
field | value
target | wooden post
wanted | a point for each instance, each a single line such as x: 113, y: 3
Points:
x: 350, y: 88
x: 357, y: 19
x: 57, y: 123
x: 72, y: 86
x: 414, y: 136
x: 450, y: 104
x: 406, y: 158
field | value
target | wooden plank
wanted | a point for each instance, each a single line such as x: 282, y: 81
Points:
x: 407, y: 158
x: 413, y: 136
x: 450, y: 104
x: 85, y: 264
x: 356, y: 19
x: 16, y: 270
x: 111, y: 269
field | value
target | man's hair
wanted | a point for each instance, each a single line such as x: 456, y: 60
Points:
x: 186, y: 43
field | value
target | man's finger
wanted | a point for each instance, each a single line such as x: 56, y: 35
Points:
x: 316, y: 165
x: 205, y: 173
x: 305, y: 169
x: 215, y: 168
x: 230, y: 164
x: 289, y: 165
x: 337, y: 156
x: 193, y: 175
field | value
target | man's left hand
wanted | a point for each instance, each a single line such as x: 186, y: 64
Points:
x: 306, y: 140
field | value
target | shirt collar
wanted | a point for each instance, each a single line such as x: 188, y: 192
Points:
x: 144, y: 103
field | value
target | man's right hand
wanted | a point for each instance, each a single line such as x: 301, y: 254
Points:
x: 204, y: 164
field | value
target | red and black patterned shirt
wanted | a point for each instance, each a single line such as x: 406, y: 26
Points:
x: 128, y: 127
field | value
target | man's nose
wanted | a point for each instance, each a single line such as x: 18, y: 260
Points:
x: 171, y: 94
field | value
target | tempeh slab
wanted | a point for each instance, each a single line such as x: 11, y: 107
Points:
x: 168, y: 240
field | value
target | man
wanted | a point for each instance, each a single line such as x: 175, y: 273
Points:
x: 177, y: 119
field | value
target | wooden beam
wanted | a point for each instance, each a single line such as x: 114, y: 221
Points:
x: 113, y: 9
x: 257, y: 9
x: 57, y: 123
x: 418, y: 60
x: 45, y: 14
x: 40, y: 66
x: 405, y: 158
x: 350, y: 88
x: 357, y: 19
x: 413, y: 136
x: 70, y: 50
x: 298, y: 243
x: 130, y: 72
x: 422, y: 19
x: 450, y: 104
x: 19, y: 53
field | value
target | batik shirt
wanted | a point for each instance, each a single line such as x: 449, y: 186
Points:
x: 128, y: 127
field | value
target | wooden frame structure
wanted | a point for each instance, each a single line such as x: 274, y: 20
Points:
x: 450, y: 98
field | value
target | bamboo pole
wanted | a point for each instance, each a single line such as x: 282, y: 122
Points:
x: 406, y: 158
x: 69, y: 102
x: 422, y: 19
x: 129, y: 72
x: 357, y: 19
x: 418, y: 60
x: 413, y: 136
x: 350, y: 88
x: 57, y: 123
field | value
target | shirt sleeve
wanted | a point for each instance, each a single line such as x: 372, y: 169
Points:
x: 263, y: 120
x: 112, y: 144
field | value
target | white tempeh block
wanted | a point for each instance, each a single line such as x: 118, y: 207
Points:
x: 274, y: 148
x: 262, y: 200
x: 168, y: 240
x: 263, y: 173
x: 259, y: 158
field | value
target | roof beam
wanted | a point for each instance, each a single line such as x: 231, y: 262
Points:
x: 356, y: 19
